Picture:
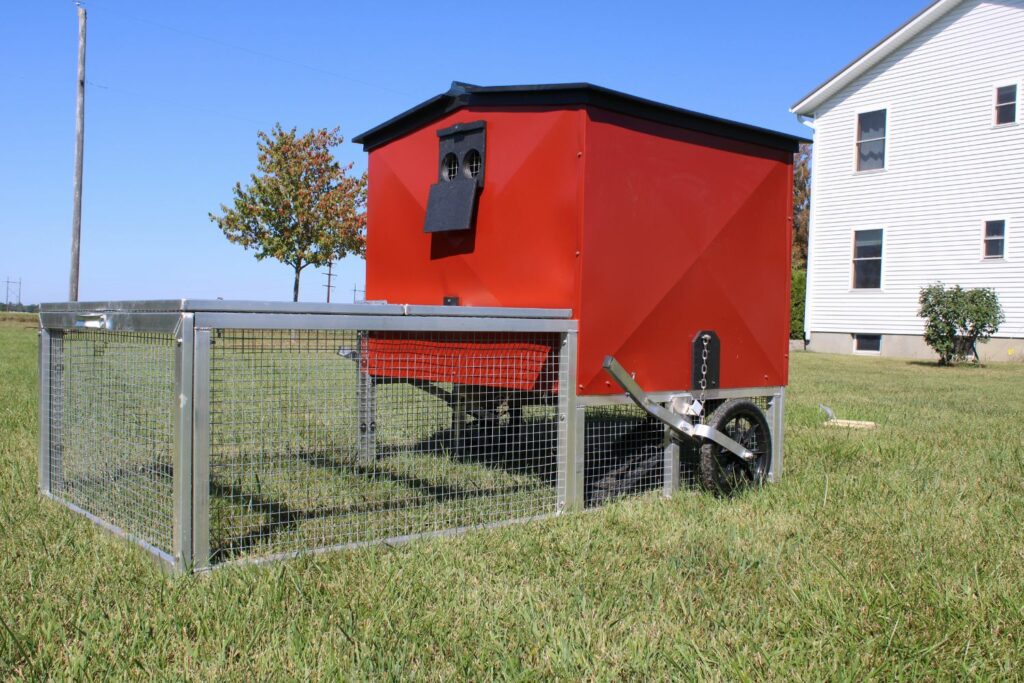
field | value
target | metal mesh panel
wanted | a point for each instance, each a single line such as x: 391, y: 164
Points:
x: 624, y: 452
x: 112, y: 428
x: 325, y: 438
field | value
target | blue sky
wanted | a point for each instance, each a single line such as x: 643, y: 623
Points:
x: 177, y: 91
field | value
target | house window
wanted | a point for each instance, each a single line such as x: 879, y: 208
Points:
x: 867, y: 259
x: 867, y: 343
x: 871, y: 140
x: 995, y: 239
x: 1006, y: 104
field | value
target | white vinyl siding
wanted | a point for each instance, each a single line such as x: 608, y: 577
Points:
x: 948, y: 170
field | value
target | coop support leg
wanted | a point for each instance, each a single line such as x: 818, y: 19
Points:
x: 677, y: 422
x: 201, y: 390
x: 569, y: 457
x: 672, y: 475
x: 366, y: 400
x: 55, y: 393
x: 459, y: 413
x: 182, y: 458
x: 44, y: 410
x: 776, y: 414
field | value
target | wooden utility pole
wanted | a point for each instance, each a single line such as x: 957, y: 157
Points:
x: 76, y: 215
x: 330, y: 276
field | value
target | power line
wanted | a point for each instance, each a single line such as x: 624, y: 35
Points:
x: 264, y: 55
x: 177, y: 103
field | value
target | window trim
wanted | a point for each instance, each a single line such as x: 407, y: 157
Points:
x: 985, y: 238
x: 856, y: 138
x: 866, y: 352
x: 995, y: 104
x: 881, y: 260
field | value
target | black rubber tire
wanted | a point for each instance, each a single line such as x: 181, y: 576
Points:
x: 722, y: 472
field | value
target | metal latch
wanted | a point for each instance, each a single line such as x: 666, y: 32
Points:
x: 93, y: 321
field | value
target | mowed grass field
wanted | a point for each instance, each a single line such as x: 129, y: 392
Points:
x: 894, y: 553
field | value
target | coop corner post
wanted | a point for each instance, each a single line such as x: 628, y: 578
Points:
x: 570, y: 440
x: 776, y: 418
x: 183, y: 397
x: 44, y: 409
x: 201, y: 448
x: 671, y: 476
x: 366, y: 402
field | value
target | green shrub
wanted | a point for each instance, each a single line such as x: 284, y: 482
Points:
x: 957, y: 319
x: 798, y: 293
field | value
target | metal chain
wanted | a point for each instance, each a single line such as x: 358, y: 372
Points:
x: 706, y: 338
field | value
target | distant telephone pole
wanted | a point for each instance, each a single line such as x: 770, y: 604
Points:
x: 330, y: 278
x: 76, y: 214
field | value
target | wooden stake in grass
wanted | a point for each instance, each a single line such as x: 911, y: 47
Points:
x: 834, y: 421
x: 851, y: 424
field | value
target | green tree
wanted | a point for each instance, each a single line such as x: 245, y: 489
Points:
x: 801, y: 204
x: 301, y: 206
x: 798, y: 296
x: 957, y: 319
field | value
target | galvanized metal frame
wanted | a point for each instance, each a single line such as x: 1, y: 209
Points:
x: 52, y: 325
x: 95, y: 308
x: 366, y: 400
x: 44, y: 410
x: 314, y: 321
x: 673, y: 475
x: 578, y: 425
x: 569, y: 460
x: 192, y: 323
x: 112, y: 321
x: 201, y: 448
x: 183, y: 416
x: 776, y: 418
x: 668, y: 396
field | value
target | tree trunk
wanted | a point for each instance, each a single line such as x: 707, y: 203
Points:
x: 298, y: 272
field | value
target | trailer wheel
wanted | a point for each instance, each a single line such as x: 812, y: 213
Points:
x: 722, y: 472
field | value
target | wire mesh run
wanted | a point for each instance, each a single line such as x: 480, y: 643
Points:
x: 111, y: 438
x: 624, y: 453
x: 334, y: 437
x: 209, y: 444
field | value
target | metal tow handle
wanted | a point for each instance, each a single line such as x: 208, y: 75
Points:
x: 674, y: 421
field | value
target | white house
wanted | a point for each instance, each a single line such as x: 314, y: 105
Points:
x: 918, y: 177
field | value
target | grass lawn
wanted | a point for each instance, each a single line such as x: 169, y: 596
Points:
x: 897, y: 552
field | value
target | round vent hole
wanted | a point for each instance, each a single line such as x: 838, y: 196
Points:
x: 472, y: 164
x: 450, y: 166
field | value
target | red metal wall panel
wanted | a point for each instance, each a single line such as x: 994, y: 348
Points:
x: 683, y: 231
x: 523, y: 249
x: 648, y: 232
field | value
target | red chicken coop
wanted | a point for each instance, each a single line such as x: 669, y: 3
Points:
x: 665, y: 232
x: 573, y: 294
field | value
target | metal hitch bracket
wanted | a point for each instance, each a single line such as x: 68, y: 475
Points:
x: 674, y: 421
